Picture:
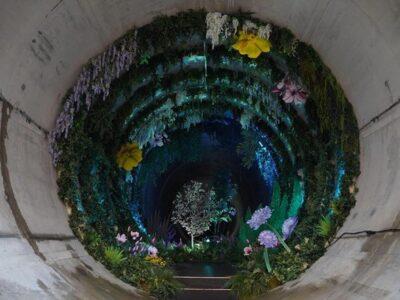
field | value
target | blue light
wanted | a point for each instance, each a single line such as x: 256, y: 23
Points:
x: 339, y: 179
x: 266, y: 164
x: 193, y: 59
x: 134, y: 208
x: 79, y: 205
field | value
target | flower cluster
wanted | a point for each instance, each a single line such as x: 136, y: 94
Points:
x: 259, y: 217
x: 290, y: 91
x: 94, y: 80
x: 136, y: 245
x: 252, y: 41
x: 217, y: 23
x: 156, y: 260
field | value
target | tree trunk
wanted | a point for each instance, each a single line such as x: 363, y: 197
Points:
x: 192, y: 240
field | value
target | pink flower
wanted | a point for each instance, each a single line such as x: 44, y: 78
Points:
x: 247, y: 250
x: 135, y: 234
x: 121, y: 238
x: 153, y: 240
x: 290, y: 91
x: 152, y: 251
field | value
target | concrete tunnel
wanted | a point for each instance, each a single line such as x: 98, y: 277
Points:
x: 43, y: 47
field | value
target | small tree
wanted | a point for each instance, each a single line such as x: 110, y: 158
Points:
x: 193, y: 208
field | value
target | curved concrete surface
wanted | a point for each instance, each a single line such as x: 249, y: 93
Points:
x: 43, y: 45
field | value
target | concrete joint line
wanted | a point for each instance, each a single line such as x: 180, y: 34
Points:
x: 24, y: 115
x: 9, y: 193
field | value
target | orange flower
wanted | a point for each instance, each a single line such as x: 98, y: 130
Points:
x: 251, y: 45
x: 129, y: 156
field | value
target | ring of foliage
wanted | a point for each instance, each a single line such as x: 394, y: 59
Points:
x: 167, y: 87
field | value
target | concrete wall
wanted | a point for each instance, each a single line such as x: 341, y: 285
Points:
x: 43, y: 45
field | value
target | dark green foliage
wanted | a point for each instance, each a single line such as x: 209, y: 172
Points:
x: 279, y: 206
x: 248, y: 148
x: 245, y: 232
x: 297, y: 199
x: 249, y: 283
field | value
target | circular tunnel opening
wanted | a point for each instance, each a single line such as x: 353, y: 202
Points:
x: 227, y: 141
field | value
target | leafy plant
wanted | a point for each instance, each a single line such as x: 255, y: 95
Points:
x: 325, y: 226
x: 114, y: 256
x: 297, y: 199
x: 245, y: 232
x: 279, y: 207
x: 163, y: 285
x: 248, y: 284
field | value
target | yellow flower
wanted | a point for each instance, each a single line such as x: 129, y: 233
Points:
x: 155, y: 260
x: 251, y: 45
x: 129, y: 156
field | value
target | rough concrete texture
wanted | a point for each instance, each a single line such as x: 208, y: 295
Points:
x: 43, y: 46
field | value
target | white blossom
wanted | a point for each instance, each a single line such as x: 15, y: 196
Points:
x: 264, y: 31
x: 248, y: 25
x: 216, y: 24
x: 235, y: 25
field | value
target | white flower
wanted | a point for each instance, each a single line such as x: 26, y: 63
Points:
x: 235, y: 25
x: 215, y: 25
x: 248, y: 25
x: 264, y: 31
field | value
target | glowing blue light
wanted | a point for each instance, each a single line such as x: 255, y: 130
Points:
x: 193, y: 59
x: 266, y: 164
x: 339, y: 179
x: 134, y: 208
x: 79, y: 205
x: 158, y: 93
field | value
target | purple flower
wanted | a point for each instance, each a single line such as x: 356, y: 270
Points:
x: 268, y: 239
x: 259, y: 217
x: 152, y: 251
x: 288, y: 226
x: 247, y: 250
x: 121, y: 238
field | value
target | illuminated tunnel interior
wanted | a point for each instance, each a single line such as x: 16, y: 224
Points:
x: 192, y: 151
